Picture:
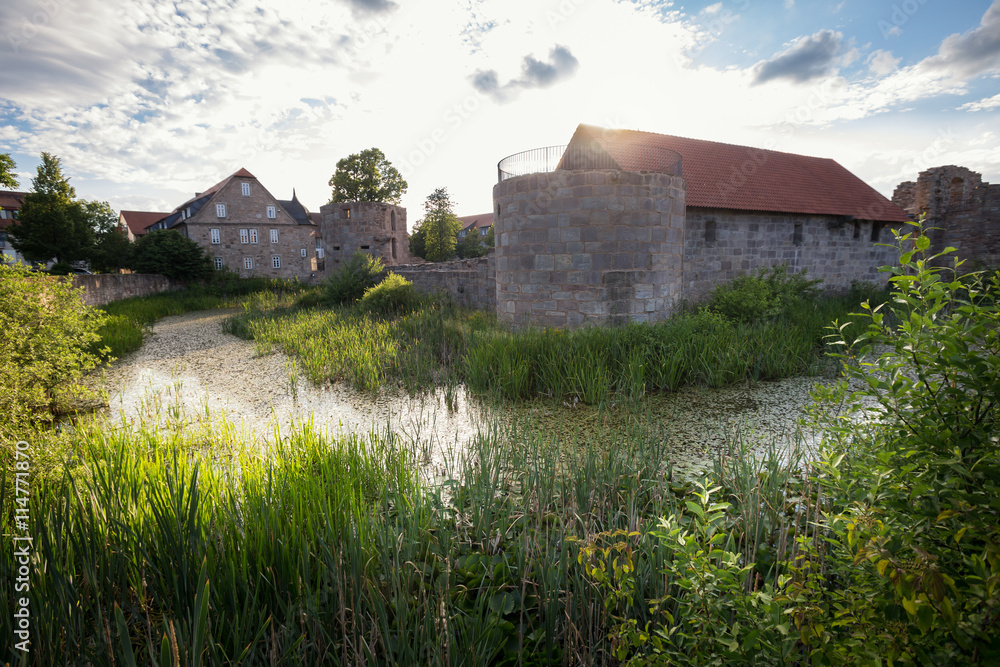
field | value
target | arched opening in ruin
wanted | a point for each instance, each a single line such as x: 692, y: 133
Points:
x: 957, y: 193
x: 392, y: 225
x: 392, y: 242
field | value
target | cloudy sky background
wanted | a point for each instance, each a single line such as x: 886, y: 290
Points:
x: 149, y: 101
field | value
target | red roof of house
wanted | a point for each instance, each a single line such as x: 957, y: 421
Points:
x: 139, y: 221
x: 10, y: 200
x: 481, y: 221
x: 744, y: 178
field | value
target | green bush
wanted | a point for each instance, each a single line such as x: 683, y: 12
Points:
x: 395, y: 295
x: 169, y: 253
x: 45, y: 346
x: 349, y: 282
x: 765, y: 295
x: 61, y: 269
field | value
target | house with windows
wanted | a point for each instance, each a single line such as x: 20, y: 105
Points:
x: 244, y: 228
x: 137, y: 223
x: 478, y: 224
x: 10, y: 205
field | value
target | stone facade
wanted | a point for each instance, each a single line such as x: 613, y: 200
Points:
x: 962, y: 210
x: 247, y: 239
x: 720, y: 244
x: 470, y: 282
x: 578, y: 247
x: 371, y: 227
x: 103, y: 288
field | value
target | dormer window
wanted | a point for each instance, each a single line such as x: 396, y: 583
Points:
x: 220, y: 210
x: 246, y: 189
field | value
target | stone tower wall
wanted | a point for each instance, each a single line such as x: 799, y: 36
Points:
x: 588, y: 247
x: 372, y: 227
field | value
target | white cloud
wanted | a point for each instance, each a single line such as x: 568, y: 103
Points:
x: 881, y: 63
x: 789, y: 4
x: 982, y: 105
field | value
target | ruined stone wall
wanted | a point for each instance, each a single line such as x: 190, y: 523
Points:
x: 371, y: 227
x: 103, y: 288
x: 581, y: 247
x: 721, y: 244
x: 962, y: 210
x: 470, y: 282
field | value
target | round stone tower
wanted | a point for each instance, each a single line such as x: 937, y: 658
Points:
x: 584, y: 246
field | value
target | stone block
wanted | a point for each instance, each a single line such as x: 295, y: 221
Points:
x: 564, y: 262
x: 593, y: 308
x: 569, y: 234
x: 593, y: 203
x: 581, y: 261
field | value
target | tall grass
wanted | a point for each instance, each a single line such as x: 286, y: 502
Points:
x: 177, y: 546
x: 439, y: 343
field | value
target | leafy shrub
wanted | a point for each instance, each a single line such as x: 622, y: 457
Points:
x: 45, y: 346
x: 168, y: 253
x: 354, y: 276
x: 767, y: 294
x: 395, y: 295
x: 61, y: 269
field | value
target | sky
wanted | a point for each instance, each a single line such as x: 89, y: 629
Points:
x: 148, y: 101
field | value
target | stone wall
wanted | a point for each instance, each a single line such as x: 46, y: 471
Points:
x: 106, y: 287
x: 588, y: 246
x: 721, y: 244
x: 371, y: 227
x: 963, y: 211
x: 471, y: 282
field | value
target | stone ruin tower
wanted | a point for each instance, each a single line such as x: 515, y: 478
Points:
x: 587, y: 237
x: 964, y: 211
x: 372, y: 227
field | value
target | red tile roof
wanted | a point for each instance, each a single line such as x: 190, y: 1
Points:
x: 10, y: 200
x: 743, y: 178
x: 481, y: 221
x: 139, y: 221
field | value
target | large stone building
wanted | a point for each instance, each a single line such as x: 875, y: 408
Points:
x: 371, y: 227
x: 962, y: 211
x: 245, y: 229
x: 621, y: 225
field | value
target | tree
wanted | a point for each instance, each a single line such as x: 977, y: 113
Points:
x: 440, y: 226
x: 51, y: 224
x: 112, y: 250
x: 418, y: 242
x: 7, y: 177
x: 367, y: 176
x: 171, y: 254
x: 475, y: 244
x: 490, y: 240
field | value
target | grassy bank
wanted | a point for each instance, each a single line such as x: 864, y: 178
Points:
x: 438, y: 343
x: 122, y: 331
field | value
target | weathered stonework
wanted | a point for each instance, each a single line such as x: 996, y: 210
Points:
x: 963, y: 211
x: 720, y: 244
x: 470, y: 282
x: 253, y: 253
x: 578, y: 247
x: 371, y: 227
x: 103, y: 288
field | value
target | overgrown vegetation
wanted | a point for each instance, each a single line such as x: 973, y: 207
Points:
x: 348, y: 283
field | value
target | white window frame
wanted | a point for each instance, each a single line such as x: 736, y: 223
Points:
x: 219, y: 264
x: 275, y: 262
x: 216, y: 235
x: 274, y: 236
x: 244, y: 236
x: 303, y: 252
x: 248, y: 263
x: 253, y: 235
x: 245, y: 188
x: 272, y: 212
x: 220, y: 210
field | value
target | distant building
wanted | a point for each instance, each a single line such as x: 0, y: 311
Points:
x: 246, y: 229
x: 480, y: 223
x: 137, y: 223
x: 375, y: 228
x: 10, y: 206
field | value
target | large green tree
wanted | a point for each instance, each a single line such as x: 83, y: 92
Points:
x: 170, y: 253
x: 367, y: 176
x: 112, y: 250
x: 7, y: 177
x: 440, y: 226
x: 52, y: 225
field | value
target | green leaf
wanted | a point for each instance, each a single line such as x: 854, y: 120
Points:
x: 124, y: 637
